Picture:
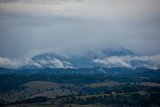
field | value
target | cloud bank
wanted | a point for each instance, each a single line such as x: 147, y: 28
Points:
x: 78, y: 25
x: 127, y: 61
x: 11, y: 63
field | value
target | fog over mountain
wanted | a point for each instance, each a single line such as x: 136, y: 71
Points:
x: 75, y: 28
x: 105, y: 58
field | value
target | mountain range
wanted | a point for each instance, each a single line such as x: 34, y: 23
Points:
x: 105, y: 58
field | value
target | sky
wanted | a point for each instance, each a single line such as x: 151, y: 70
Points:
x: 75, y: 26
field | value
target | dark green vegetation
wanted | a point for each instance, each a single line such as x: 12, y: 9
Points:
x: 80, y: 87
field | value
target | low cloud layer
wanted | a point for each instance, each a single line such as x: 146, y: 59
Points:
x: 127, y: 61
x: 48, y: 63
x: 11, y: 63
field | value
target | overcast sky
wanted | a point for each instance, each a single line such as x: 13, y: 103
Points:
x: 28, y: 26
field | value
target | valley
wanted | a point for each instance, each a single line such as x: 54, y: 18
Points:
x: 80, y: 88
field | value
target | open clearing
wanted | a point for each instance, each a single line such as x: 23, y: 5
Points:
x: 108, y: 84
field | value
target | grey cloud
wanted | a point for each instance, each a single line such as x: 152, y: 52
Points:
x: 78, y: 26
x: 12, y: 63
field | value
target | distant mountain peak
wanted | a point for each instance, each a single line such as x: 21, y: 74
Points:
x: 119, y: 57
x: 117, y: 52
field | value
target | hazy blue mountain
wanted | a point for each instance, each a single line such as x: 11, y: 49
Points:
x: 86, y: 61
x: 106, y: 58
x: 118, y: 52
x: 48, y: 60
x: 6, y: 70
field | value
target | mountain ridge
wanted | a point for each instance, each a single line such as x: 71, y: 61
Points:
x: 106, y: 58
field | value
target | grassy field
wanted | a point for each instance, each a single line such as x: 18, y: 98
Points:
x: 108, y: 84
x: 37, y: 88
x: 52, y: 89
x: 152, y: 84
